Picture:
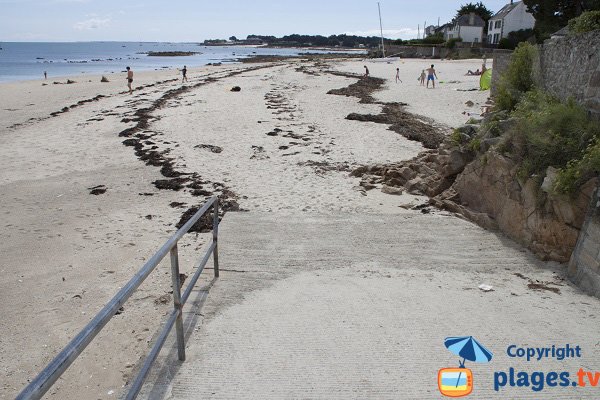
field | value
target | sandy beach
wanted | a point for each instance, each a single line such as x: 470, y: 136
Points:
x: 86, y: 167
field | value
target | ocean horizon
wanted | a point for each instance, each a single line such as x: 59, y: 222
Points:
x: 29, y: 60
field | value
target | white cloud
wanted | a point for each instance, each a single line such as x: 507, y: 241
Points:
x: 92, y: 23
x: 402, y: 33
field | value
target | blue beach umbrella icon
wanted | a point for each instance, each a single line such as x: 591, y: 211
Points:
x: 469, y: 349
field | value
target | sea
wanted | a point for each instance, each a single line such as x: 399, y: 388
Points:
x: 28, y: 60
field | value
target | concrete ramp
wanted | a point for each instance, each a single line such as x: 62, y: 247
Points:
x: 357, y: 307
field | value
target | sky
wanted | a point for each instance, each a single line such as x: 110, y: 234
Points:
x: 195, y: 21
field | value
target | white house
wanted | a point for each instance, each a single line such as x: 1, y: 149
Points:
x: 468, y: 27
x: 512, y: 17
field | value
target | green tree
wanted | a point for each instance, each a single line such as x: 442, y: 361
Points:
x: 552, y: 15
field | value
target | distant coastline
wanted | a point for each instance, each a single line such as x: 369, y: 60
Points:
x: 29, y: 60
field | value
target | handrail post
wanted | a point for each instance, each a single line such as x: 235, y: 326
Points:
x: 177, y: 302
x: 216, y: 236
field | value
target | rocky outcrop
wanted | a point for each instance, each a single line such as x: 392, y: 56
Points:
x: 489, y: 193
x: 485, y: 189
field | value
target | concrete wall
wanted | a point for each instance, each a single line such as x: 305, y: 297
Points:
x: 499, y: 65
x: 584, y: 267
x: 570, y: 67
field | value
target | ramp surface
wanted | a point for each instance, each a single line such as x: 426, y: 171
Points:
x: 357, y: 307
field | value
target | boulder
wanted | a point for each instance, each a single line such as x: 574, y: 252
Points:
x: 391, y: 190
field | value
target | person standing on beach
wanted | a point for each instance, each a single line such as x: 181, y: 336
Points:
x: 422, y: 77
x: 45, y: 75
x: 431, y: 76
x: 366, y: 72
x: 184, y: 72
x: 129, y: 79
x: 398, y: 75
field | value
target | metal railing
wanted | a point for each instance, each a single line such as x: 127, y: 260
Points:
x: 44, y: 381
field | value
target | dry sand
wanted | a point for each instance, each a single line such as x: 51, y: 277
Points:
x: 66, y: 252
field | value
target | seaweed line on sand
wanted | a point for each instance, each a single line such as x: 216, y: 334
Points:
x: 392, y: 114
x: 138, y: 137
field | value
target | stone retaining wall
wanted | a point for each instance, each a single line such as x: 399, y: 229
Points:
x: 584, y: 267
x: 570, y: 67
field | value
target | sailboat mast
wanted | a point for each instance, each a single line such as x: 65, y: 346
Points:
x: 381, y: 28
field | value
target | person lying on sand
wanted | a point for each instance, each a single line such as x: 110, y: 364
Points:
x: 469, y: 72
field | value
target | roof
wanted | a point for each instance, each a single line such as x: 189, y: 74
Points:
x: 465, y: 20
x: 563, y: 32
x: 504, y: 11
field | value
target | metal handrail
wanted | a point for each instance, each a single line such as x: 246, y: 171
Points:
x: 49, y: 375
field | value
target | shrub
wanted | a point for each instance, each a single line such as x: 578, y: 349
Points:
x: 451, y: 43
x: 577, y: 172
x: 518, y: 77
x: 551, y: 133
x: 504, y: 43
x: 586, y: 22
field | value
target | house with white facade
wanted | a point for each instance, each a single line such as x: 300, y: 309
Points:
x: 512, y: 17
x: 468, y: 27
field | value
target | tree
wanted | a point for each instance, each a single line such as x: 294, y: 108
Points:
x: 477, y: 8
x: 233, y: 39
x: 552, y: 15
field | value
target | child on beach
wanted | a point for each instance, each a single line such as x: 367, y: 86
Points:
x: 129, y: 79
x: 398, y: 75
x: 421, y: 77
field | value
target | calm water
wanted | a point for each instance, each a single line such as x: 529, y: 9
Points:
x: 23, y: 61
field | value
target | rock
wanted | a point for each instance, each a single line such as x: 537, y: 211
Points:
x: 470, y: 130
x: 486, y: 144
x: 367, y: 185
x: 391, y: 190
x: 360, y: 171
x: 407, y: 173
x: 551, y: 174
x: 236, y: 89
x: 414, y: 185
x: 469, y: 103
x: 456, y: 162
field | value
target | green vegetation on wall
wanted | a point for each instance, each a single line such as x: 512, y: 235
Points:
x: 518, y: 77
x: 586, y: 22
x: 545, y: 131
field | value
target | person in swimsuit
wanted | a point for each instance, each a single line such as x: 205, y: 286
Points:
x: 366, y: 72
x: 184, y: 72
x: 129, y: 79
x: 398, y: 75
x: 431, y: 76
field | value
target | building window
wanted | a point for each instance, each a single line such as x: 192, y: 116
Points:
x: 476, y: 40
x: 496, y: 38
x: 498, y: 24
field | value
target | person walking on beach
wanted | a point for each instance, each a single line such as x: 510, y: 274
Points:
x: 184, y: 72
x: 129, y: 79
x: 422, y: 77
x: 398, y: 75
x: 366, y: 72
x: 431, y: 76
x: 45, y: 75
